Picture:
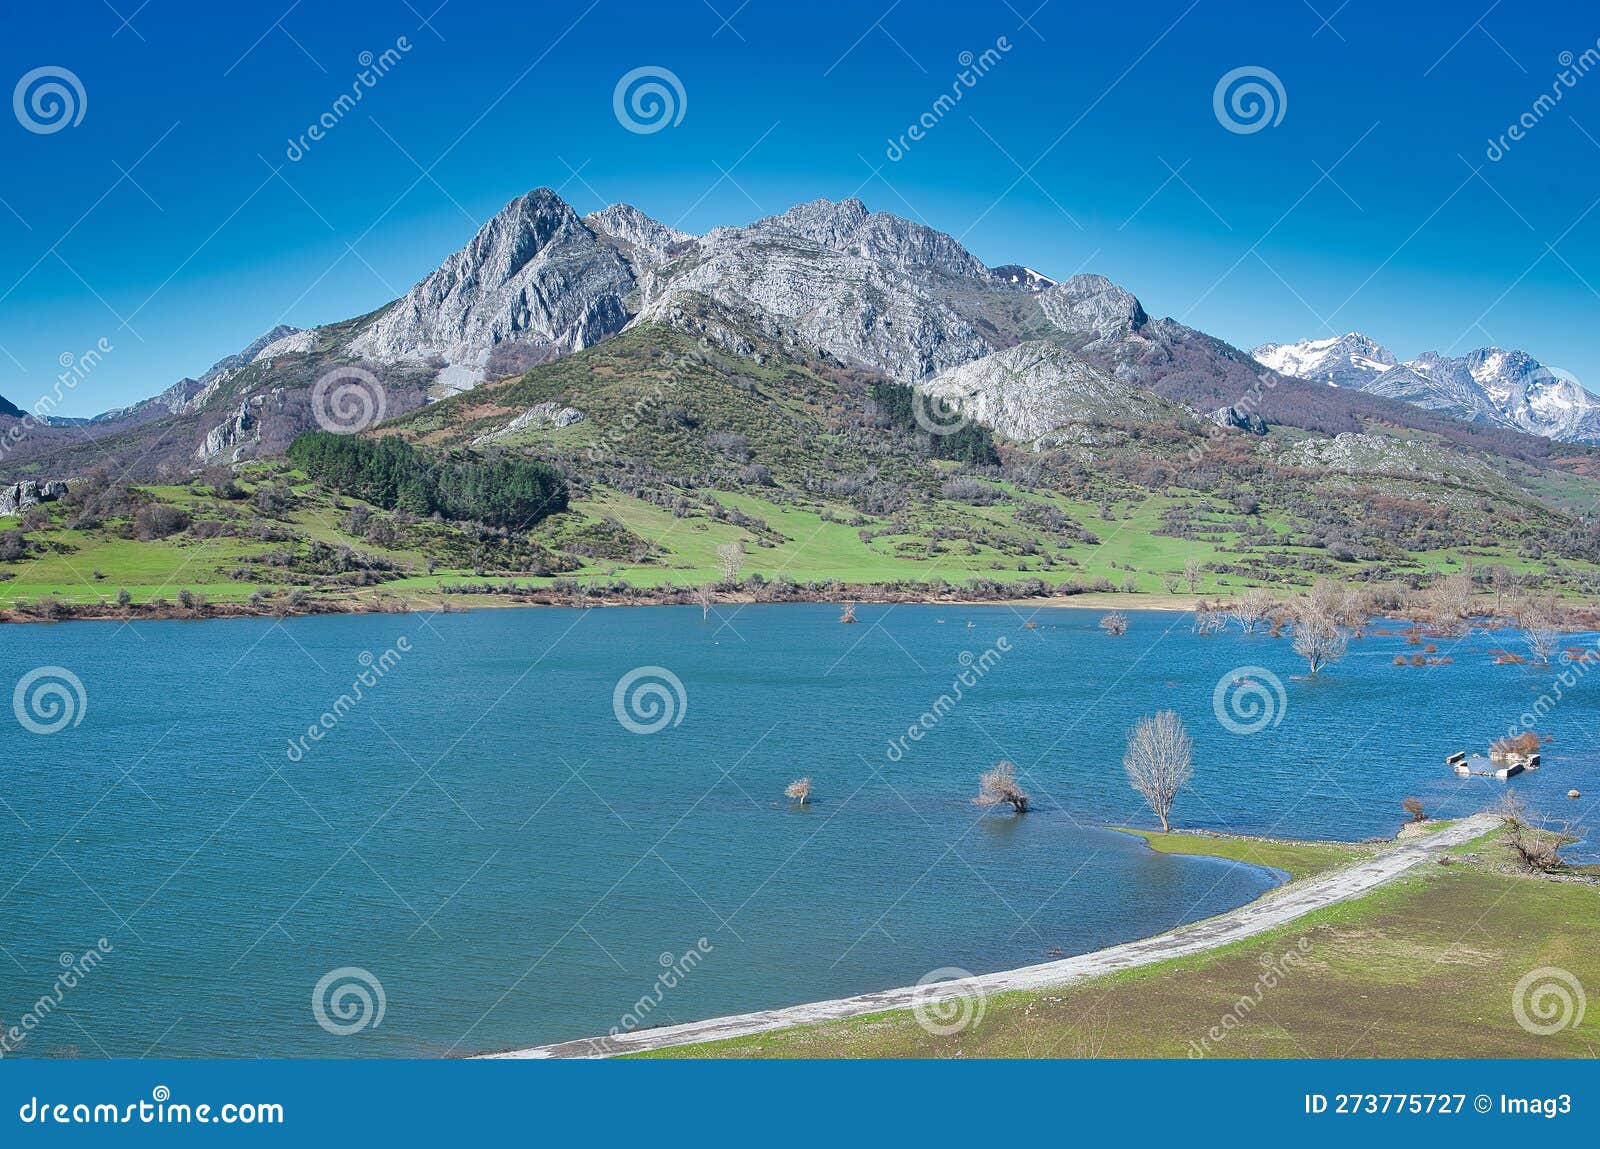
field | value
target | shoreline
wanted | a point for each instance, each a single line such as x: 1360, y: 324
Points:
x: 463, y: 602
x: 1583, y: 621
x: 1279, y: 906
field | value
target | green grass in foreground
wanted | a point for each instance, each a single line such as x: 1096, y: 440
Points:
x: 1423, y: 967
x: 1297, y: 859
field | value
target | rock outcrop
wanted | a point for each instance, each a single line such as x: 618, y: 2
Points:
x: 540, y: 415
x: 1033, y: 389
x: 18, y: 497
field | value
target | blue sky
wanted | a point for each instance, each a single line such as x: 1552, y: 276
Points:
x: 170, y: 222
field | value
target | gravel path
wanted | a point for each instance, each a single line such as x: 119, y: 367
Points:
x: 1257, y: 917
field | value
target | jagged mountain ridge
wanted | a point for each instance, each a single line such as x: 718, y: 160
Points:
x: 869, y: 289
x: 1489, y: 386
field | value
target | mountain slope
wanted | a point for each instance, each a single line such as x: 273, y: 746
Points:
x: 1036, y: 391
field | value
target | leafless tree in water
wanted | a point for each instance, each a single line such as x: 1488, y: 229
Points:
x: 1159, y: 761
x: 999, y: 787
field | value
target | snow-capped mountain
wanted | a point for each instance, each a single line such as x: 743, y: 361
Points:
x: 1345, y: 361
x: 1489, y: 386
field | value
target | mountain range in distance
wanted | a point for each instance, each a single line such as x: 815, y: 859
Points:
x: 1489, y: 386
x: 1034, y: 359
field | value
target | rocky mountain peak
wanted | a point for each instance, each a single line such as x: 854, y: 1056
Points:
x: 1347, y: 360
x: 532, y: 275
x: 644, y: 240
x: 848, y: 227
x: 831, y: 223
x: 1092, y: 307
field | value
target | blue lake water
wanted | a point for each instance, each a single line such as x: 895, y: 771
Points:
x: 484, y: 835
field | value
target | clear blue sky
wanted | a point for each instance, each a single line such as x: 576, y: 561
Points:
x: 1061, y: 157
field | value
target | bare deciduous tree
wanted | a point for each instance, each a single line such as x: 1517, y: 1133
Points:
x: 704, y: 598
x: 1114, y: 623
x: 1449, y: 602
x: 1413, y: 808
x: 999, y: 786
x: 730, y: 556
x: 1540, y: 620
x: 1535, y: 846
x: 1159, y: 761
x: 1208, y: 620
x: 799, y: 790
x: 1251, y: 608
x: 1505, y: 581
x: 1191, y: 574
x: 1318, y: 636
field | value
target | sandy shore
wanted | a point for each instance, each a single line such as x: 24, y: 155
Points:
x: 1265, y: 913
x: 425, y: 603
